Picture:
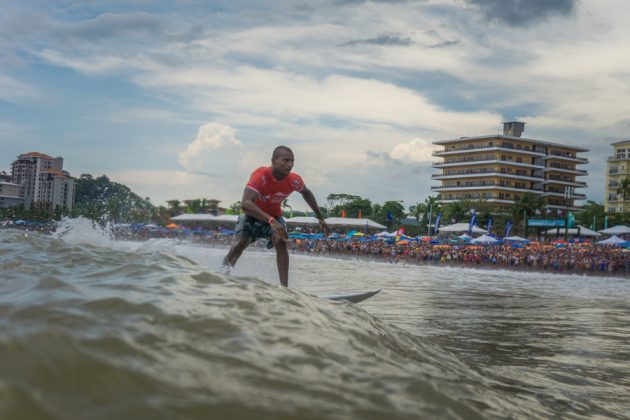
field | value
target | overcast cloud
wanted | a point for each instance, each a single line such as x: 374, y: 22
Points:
x: 184, y: 100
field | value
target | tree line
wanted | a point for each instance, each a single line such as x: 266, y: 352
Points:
x: 102, y: 200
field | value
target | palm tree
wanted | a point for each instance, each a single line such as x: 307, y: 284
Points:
x: 624, y: 189
x: 285, y: 205
x: 526, y: 206
x: 417, y: 211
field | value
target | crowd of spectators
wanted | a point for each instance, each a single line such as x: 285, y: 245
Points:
x: 550, y: 254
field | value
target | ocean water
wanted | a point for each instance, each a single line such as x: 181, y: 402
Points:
x: 93, y: 328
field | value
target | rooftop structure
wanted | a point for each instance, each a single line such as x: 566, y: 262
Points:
x: 500, y: 167
x: 617, y: 168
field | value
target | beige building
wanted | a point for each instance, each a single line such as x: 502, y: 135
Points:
x: 45, y: 185
x: 499, y: 168
x: 618, y: 168
x: 10, y: 193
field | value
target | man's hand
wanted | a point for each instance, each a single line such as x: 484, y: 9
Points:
x: 324, y: 226
x: 279, y: 230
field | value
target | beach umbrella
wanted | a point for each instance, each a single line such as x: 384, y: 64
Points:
x: 464, y: 237
x: 172, y: 226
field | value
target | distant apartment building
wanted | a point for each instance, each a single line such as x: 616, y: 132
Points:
x: 500, y: 167
x: 10, y: 193
x: 45, y: 185
x: 618, y: 168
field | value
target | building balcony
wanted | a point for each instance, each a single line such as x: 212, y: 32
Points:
x: 489, y: 198
x: 567, y: 183
x: 472, y: 162
x: 569, y: 158
x: 485, y: 186
x: 468, y: 149
x: 563, y: 194
x: 487, y: 174
x: 618, y: 158
x: 564, y: 169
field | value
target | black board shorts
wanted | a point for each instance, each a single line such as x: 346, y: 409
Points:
x: 255, y: 229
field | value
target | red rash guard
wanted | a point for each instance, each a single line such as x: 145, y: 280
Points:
x: 271, y: 192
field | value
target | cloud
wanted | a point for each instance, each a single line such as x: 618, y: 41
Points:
x: 110, y: 25
x: 383, y: 39
x: 215, y: 147
x: 524, y: 12
x: 12, y: 90
x: 416, y: 150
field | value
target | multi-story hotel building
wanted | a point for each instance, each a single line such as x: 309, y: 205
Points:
x: 45, y: 185
x: 618, y: 168
x: 499, y: 168
x: 10, y: 193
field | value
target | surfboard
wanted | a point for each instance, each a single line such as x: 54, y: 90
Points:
x: 352, y: 297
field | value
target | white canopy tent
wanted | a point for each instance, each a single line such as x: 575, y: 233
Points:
x: 204, y: 217
x: 574, y: 232
x: 386, y: 234
x: 616, y: 230
x: 352, y: 222
x: 461, y: 227
x: 302, y: 220
x: 484, y: 239
x: 515, y: 239
x: 613, y: 240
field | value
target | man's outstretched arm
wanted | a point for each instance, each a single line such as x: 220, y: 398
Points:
x: 248, y: 203
x: 312, y: 203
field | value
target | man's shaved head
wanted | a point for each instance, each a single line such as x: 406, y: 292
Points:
x: 277, y: 150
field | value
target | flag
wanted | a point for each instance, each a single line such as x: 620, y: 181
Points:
x: 508, y: 227
x: 605, y: 222
x: 400, y: 232
x: 570, y: 219
x: 593, y: 224
x: 472, y: 222
x: 547, y: 211
x: 343, y: 213
x: 538, y: 212
x: 489, y: 224
x: 359, y: 213
x: 390, y: 216
x: 559, y: 212
x: 437, y: 221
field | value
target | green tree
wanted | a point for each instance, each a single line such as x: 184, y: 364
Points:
x: 624, y: 189
x: 592, y: 212
x: 417, y: 211
x: 235, y: 208
x: 458, y: 211
x: 526, y: 206
x: 103, y: 200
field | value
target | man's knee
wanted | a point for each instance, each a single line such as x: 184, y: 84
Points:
x: 278, y: 242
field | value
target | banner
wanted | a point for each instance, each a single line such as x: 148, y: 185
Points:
x: 489, y: 225
x: 437, y: 222
x: 551, y: 223
x: 472, y: 222
x: 508, y: 228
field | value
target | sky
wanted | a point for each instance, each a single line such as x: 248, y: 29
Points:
x: 184, y: 99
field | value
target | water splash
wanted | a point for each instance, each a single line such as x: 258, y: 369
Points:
x: 83, y: 231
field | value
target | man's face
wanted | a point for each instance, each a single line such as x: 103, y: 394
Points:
x: 283, y: 163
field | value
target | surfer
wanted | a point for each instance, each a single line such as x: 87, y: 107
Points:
x: 267, y: 188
